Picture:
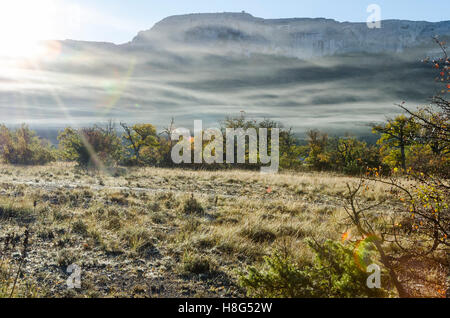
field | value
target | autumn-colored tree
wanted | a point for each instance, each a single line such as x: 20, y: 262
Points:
x: 290, y: 152
x: 418, y: 230
x: 318, y: 157
x: 238, y: 122
x: 427, y: 199
x: 396, y: 135
x: 91, y: 147
x: 143, y: 142
x: 433, y: 121
x: 352, y: 156
x: 22, y: 146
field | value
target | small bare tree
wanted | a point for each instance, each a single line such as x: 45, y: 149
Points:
x: 362, y: 217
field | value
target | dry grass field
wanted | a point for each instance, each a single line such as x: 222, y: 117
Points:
x: 149, y: 232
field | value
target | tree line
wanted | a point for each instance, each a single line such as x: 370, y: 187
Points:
x: 413, y: 140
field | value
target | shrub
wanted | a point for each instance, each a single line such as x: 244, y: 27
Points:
x: 79, y: 227
x: 139, y: 240
x: 334, y: 274
x: 192, y: 206
x: 114, y: 223
x: 195, y: 264
x: 17, y: 212
x: 66, y: 257
x: 154, y: 207
x: 119, y: 198
x: 259, y: 234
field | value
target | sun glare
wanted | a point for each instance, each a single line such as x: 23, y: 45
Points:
x: 23, y: 23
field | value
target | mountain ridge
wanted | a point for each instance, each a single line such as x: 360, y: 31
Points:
x: 295, y: 37
x: 246, y: 34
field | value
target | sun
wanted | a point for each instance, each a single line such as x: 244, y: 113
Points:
x: 23, y: 23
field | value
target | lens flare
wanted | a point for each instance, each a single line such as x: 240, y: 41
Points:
x: 115, y: 89
x: 363, y: 252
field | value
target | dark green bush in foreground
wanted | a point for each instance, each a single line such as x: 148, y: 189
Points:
x: 334, y: 274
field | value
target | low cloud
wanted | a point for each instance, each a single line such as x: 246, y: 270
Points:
x: 87, y: 84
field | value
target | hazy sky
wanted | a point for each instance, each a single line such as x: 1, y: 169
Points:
x: 118, y: 20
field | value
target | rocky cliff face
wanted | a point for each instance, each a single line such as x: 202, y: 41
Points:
x: 243, y: 33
